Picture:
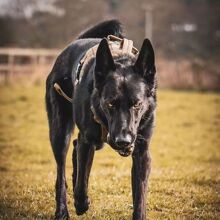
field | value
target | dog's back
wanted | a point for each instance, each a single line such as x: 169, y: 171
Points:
x: 69, y: 58
x: 65, y: 61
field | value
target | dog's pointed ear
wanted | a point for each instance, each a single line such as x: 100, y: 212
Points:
x: 104, y: 62
x: 145, y: 64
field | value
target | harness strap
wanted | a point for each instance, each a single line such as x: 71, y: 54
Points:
x: 127, y: 46
x: 117, y: 47
x: 132, y: 50
x: 62, y: 93
x: 104, y: 130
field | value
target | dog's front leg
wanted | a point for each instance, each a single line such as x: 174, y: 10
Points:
x: 85, y: 154
x: 140, y: 172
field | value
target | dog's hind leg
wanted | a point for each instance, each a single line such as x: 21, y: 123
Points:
x: 74, y: 161
x: 60, y: 144
x: 84, y: 153
x: 61, y: 127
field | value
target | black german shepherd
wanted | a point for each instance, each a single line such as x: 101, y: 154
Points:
x: 121, y: 93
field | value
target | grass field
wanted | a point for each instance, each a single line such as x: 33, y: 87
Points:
x: 185, y: 177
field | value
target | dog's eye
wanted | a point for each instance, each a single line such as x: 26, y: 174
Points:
x: 137, y: 105
x: 110, y: 104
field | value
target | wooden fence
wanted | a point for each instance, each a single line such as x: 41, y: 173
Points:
x: 188, y: 74
x: 17, y: 62
x: 32, y: 64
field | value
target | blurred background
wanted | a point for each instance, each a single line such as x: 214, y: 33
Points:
x: 185, y: 177
x: 185, y: 33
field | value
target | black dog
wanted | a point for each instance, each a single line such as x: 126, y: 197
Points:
x: 116, y: 94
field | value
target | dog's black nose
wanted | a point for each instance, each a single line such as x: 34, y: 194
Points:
x: 123, y: 141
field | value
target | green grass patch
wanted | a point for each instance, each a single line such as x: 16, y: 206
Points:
x: 185, y: 178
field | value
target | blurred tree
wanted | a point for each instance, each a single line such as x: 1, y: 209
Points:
x: 54, y: 23
x: 6, y: 33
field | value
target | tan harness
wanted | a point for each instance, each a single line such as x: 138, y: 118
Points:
x: 117, y: 47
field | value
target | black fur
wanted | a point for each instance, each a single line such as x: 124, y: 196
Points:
x: 101, y: 30
x: 122, y: 93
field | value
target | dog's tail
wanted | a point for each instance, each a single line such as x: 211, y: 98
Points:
x: 103, y: 29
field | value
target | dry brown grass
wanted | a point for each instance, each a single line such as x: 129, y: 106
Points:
x: 184, y: 183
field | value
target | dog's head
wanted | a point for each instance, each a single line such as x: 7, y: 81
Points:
x: 126, y: 90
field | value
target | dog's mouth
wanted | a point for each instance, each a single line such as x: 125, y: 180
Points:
x: 126, y: 152
x: 122, y: 152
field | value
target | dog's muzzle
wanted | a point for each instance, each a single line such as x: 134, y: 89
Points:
x: 124, y: 151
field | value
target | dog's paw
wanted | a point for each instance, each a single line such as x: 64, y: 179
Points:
x: 82, y: 206
x: 62, y: 214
